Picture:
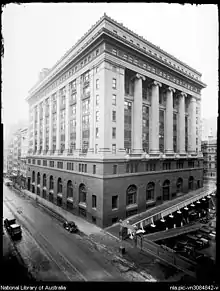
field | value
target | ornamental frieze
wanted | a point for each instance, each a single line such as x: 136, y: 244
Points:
x: 153, y: 69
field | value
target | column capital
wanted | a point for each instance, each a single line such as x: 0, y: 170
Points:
x: 171, y: 89
x: 139, y: 76
x: 182, y: 94
x: 156, y: 83
x: 192, y: 99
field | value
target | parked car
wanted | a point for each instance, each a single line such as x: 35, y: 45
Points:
x: 13, y: 228
x: 70, y: 226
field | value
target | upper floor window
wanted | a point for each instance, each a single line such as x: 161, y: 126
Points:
x: 113, y: 99
x: 97, y: 83
x: 114, y: 83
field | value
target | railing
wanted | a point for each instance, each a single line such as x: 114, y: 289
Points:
x: 170, y: 257
x: 169, y: 210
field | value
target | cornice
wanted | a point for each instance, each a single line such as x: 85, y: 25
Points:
x: 103, y: 30
x: 120, y: 25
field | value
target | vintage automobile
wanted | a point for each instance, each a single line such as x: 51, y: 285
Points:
x: 70, y: 226
x: 13, y: 228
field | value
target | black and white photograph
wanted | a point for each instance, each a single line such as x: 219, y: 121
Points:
x: 109, y: 114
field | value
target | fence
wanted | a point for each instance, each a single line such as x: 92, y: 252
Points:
x: 170, y: 257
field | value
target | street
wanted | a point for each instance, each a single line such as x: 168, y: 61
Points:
x: 52, y: 253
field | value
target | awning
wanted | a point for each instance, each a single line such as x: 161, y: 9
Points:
x: 51, y: 191
x: 60, y: 195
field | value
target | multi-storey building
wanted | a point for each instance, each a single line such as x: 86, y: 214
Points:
x: 115, y: 127
x: 209, y: 149
x: 24, y: 151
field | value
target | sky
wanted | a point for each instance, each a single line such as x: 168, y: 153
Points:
x: 37, y: 35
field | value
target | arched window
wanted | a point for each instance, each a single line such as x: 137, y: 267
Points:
x: 38, y: 178
x: 44, y: 180
x: 82, y: 193
x: 179, y: 185
x: 150, y: 191
x: 33, y: 177
x: 69, y: 189
x: 59, y: 186
x: 51, y: 183
x: 191, y: 180
x: 166, y: 190
x: 131, y: 195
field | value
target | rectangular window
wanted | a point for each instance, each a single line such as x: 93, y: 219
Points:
x: 113, y: 99
x: 96, y: 148
x: 97, y: 116
x: 97, y: 83
x: 115, y: 202
x: 114, y: 83
x: 44, y: 163
x: 97, y: 132
x: 114, y: 115
x: 79, y: 167
x: 52, y: 164
x: 97, y: 100
x: 114, y: 148
x: 39, y: 162
x: 114, y: 52
x: 85, y: 168
x: 113, y: 132
x: 94, y: 169
x: 93, y: 201
x: 115, y: 167
x: 127, y: 168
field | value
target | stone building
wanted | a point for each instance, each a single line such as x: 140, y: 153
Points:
x: 209, y: 149
x: 115, y: 127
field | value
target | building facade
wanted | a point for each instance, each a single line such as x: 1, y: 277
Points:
x: 24, y: 152
x: 114, y: 127
x: 209, y: 149
x: 16, y: 156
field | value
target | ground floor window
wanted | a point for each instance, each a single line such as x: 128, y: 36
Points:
x: 44, y: 194
x: 38, y: 191
x: 59, y: 201
x: 82, y: 212
x: 131, y: 212
x: 51, y: 197
x: 94, y: 219
x: 33, y: 189
x: 69, y: 205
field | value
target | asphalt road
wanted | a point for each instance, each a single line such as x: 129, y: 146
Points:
x: 50, y: 252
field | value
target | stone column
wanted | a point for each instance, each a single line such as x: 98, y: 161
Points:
x: 154, y: 130
x: 58, y: 124
x: 67, y: 134
x: 38, y: 128
x: 50, y: 125
x: 78, y: 115
x: 181, y: 123
x: 92, y: 108
x: 192, y: 127
x: 169, y: 121
x: 44, y: 141
x: 137, y: 115
x: 33, y: 128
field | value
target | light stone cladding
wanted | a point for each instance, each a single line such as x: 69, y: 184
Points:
x: 108, y: 56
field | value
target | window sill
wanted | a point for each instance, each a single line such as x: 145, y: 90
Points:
x: 69, y: 199
x: 59, y: 195
x: 150, y: 202
x: 82, y: 204
x: 114, y: 209
x: 131, y: 206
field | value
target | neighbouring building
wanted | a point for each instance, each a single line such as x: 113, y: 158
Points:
x: 24, y: 152
x: 16, y: 158
x: 115, y: 127
x: 209, y: 149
